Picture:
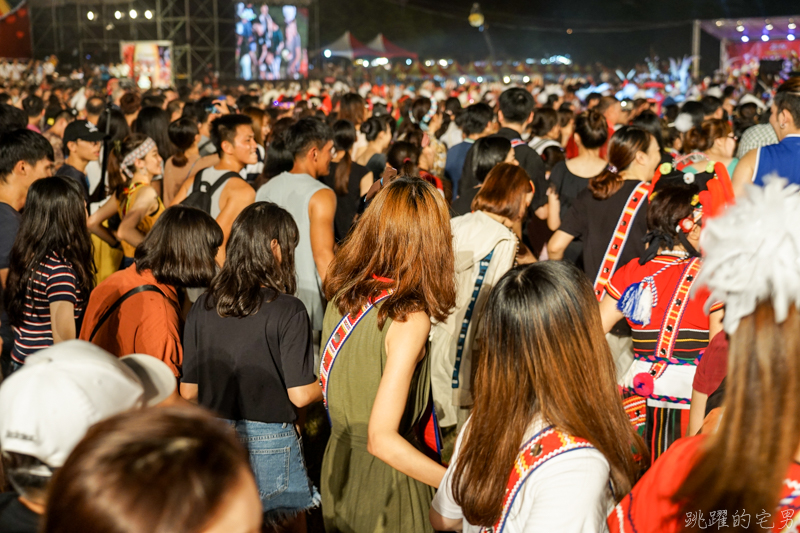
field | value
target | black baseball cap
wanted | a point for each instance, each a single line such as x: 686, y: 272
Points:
x: 84, y: 130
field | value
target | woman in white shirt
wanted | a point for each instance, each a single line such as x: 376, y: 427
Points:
x: 547, y: 420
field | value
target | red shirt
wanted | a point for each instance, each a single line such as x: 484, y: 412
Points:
x: 649, y: 507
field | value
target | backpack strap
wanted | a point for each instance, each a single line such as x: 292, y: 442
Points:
x: 120, y: 300
x: 211, y: 189
x: 221, y: 181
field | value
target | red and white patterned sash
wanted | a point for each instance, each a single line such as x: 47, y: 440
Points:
x: 542, y: 447
x: 620, y: 237
x: 338, y: 338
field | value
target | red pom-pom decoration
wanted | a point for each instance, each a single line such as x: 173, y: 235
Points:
x: 643, y: 384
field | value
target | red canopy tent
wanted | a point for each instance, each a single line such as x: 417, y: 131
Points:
x: 349, y: 47
x: 385, y: 48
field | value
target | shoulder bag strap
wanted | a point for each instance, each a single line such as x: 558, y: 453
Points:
x: 198, y: 181
x: 120, y: 300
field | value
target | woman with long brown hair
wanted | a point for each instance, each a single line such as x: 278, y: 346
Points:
x: 547, y: 423
x: 610, y: 219
x: 391, y: 276
x: 487, y: 243
x: 746, y: 474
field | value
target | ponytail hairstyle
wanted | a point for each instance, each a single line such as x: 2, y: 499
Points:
x: 182, y: 133
x: 701, y: 138
x: 671, y: 214
x: 344, y: 137
x: 372, y: 127
x: 622, y: 150
x: 404, y: 156
x: 117, y: 180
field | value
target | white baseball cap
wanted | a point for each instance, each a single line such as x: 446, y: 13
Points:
x: 50, y: 403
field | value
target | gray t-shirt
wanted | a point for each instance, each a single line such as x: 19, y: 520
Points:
x: 293, y: 193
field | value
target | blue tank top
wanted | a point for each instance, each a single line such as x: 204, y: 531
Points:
x: 782, y: 159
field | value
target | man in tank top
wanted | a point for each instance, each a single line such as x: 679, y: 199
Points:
x: 312, y: 205
x: 235, y: 142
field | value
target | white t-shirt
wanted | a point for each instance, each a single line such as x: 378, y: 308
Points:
x: 569, y: 493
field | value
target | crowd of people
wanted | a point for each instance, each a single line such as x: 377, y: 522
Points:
x: 534, y: 300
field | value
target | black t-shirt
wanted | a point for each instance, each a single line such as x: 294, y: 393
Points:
x: 346, y: 205
x: 15, y: 517
x: 567, y: 185
x: 594, y: 222
x: 9, y: 226
x: 243, y: 366
x: 68, y: 171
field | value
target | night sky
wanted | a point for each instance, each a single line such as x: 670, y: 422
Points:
x: 448, y: 35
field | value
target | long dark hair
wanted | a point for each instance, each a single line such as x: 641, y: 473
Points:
x: 403, y: 235
x: 250, y: 263
x: 344, y: 137
x: 622, y: 150
x: 541, y: 341
x: 154, y: 122
x: 54, y: 222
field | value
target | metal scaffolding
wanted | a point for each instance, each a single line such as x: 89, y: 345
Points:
x: 89, y: 31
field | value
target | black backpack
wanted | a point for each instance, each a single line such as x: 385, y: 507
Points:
x: 201, y: 194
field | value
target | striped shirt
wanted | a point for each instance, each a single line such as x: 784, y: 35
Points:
x: 53, y: 281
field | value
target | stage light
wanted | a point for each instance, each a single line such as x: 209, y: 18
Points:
x: 117, y: 15
x: 719, y: 23
x: 90, y: 15
x: 429, y: 63
x: 462, y: 80
x: 765, y: 37
x: 769, y: 27
x: 745, y: 39
x: 526, y: 79
x: 506, y: 80
x: 109, y: 26
x: 569, y: 31
x: 133, y: 13
x: 792, y: 25
x: 740, y: 28
x: 327, y: 53
x: 148, y: 14
x: 443, y: 62
x: 480, y: 79
x: 408, y: 62
x: 790, y: 37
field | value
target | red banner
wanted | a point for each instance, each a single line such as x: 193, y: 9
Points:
x: 15, y: 34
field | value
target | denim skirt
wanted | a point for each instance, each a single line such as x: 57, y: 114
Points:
x: 276, y: 457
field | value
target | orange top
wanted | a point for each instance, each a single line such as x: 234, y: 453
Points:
x: 145, y: 323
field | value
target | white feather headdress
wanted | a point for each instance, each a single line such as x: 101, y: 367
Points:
x: 752, y: 252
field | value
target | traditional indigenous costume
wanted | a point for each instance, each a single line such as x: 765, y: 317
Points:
x: 669, y: 326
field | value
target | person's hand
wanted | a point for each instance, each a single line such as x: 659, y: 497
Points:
x: 524, y: 255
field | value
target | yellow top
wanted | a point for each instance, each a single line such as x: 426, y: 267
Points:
x: 146, y: 224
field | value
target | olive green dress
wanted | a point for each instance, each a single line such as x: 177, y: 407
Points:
x: 361, y: 493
